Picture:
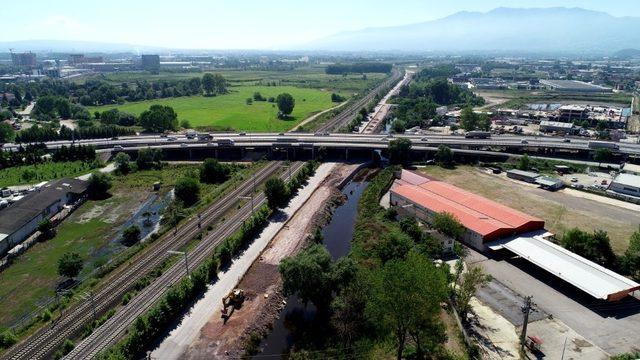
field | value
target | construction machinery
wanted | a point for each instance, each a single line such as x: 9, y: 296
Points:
x: 234, y: 299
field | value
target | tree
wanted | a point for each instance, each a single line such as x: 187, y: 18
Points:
x: 123, y: 163
x: 467, y: 287
x: 286, y: 103
x: 524, y: 163
x: 212, y: 172
x: 602, y: 155
x: 149, y: 159
x: 448, y: 224
x: 276, y: 192
x: 468, y: 119
x: 399, y: 126
x: 444, y: 156
x: 308, y: 275
x: 187, y: 190
x: 69, y: 265
x: 220, y: 84
x: 7, y: 134
x: 159, y: 118
x: 400, y: 151
x: 631, y: 258
x: 185, y: 124
x: 484, y: 122
x: 595, y: 247
x: 46, y: 229
x: 208, y: 84
x: 130, y: 235
x: 405, y: 297
x: 99, y: 185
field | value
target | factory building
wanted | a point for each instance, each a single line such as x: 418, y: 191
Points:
x: 627, y: 184
x: 558, y: 127
x: 574, y: 86
x: 527, y: 176
x: 151, y: 63
x: 20, y: 220
x: 491, y: 226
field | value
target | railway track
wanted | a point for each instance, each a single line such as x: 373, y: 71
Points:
x: 44, y: 342
x: 350, y: 112
x: 108, y: 334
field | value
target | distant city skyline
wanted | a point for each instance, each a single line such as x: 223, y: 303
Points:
x: 252, y: 24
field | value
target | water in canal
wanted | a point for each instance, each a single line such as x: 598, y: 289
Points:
x: 337, y: 239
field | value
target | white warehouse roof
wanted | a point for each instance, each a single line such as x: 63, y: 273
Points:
x: 584, y: 274
x: 628, y: 180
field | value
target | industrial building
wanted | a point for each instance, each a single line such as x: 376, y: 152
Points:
x: 549, y: 183
x: 25, y: 59
x: 574, y: 86
x: 20, y: 220
x: 485, y: 220
x: 558, y: 127
x: 528, y: 176
x: 627, y: 184
x: 491, y: 226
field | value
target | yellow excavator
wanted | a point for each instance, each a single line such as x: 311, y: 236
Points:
x: 234, y: 299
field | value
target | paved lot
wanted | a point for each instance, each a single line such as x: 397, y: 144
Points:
x: 614, y: 327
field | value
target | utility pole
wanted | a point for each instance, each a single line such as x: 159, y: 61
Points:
x: 186, y: 261
x: 526, y: 309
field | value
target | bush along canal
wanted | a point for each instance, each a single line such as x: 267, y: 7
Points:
x: 297, y: 322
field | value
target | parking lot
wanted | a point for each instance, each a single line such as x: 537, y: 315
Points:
x: 597, y: 180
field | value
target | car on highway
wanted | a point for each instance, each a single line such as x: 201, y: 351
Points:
x: 565, y: 140
x: 574, y: 179
x: 281, y: 134
x: 210, y: 144
x: 523, y: 141
x: 242, y: 134
x: 183, y: 145
x: 118, y: 147
x: 424, y: 139
x: 171, y: 138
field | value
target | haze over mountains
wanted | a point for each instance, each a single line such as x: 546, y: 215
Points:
x: 504, y: 30
x: 564, y: 30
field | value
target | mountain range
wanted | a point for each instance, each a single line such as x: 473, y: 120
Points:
x: 530, y: 30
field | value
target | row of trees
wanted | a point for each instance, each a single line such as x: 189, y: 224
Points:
x: 46, y: 133
x: 596, y: 246
x: 359, y: 68
x: 35, y: 154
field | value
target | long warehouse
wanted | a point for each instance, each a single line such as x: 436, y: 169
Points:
x: 492, y: 226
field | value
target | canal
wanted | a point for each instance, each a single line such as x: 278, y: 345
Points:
x: 337, y: 239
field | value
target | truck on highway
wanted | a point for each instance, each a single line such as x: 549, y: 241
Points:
x: 603, y: 145
x: 191, y: 134
x: 204, y: 137
x: 477, y: 135
x: 225, y: 142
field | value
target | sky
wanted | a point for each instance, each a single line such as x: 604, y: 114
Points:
x: 235, y: 24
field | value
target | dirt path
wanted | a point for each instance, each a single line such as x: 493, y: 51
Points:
x: 262, y: 282
x: 313, y: 117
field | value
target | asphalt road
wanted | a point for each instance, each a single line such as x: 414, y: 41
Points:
x: 614, y: 327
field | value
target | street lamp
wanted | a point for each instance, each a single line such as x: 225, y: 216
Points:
x: 186, y: 261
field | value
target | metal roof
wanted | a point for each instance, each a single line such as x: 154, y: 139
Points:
x: 548, y: 181
x: 479, y: 214
x: 529, y: 174
x: 557, y: 124
x: 628, y: 180
x: 584, y: 274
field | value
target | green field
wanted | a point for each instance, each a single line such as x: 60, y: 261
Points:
x: 33, y: 174
x: 306, y: 77
x: 231, y: 111
x: 89, y: 231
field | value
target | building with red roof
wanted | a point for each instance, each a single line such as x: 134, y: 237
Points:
x: 484, y: 219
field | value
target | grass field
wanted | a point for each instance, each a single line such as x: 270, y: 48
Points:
x: 307, y: 77
x: 518, y: 99
x: 90, y: 232
x: 43, y: 172
x: 231, y: 111
x: 559, y: 210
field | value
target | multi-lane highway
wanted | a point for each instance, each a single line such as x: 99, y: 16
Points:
x: 340, y: 140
